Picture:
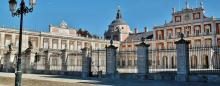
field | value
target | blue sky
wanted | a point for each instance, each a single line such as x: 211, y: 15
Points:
x: 96, y: 15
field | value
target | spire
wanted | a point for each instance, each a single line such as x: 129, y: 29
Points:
x: 118, y: 15
x: 187, y: 4
x: 174, y: 10
x: 201, y: 4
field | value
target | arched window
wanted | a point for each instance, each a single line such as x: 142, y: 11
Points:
x: 193, y: 61
x: 205, y: 61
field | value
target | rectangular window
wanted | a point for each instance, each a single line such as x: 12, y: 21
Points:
x: 196, y: 15
x: 170, y: 35
x: 177, y: 18
x: 197, y: 32
x: 54, y: 62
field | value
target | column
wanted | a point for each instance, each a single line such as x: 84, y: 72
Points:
x: 59, y: 43
x: 50, y: 43
x: 192, y: 30
x: 174, y: 32
x: 75, y: 45
x: 2, y: 40
x: 67, y: 44
x: 13, y: 36
x: 142, y: 60
x: 182, y: 51
x: 111, y: 70
x: 86, y: 63
x: 202, y: 29
x: 154, y: 33
x: 41, y: 42
x: 24, y: 42
x: 214, y: 38
x: 165, y: 33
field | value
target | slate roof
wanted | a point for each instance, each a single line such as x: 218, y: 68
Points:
x: 137, y: 36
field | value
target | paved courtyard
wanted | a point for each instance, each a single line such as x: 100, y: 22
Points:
x: 7, y: 79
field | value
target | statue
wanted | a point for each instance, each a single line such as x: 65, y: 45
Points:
x: 30, y: 45
x: 10, y: 47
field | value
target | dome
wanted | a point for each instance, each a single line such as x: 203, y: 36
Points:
x: 63, y: 24
x: 119, y: 22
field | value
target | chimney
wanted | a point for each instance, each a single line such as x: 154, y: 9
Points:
x: 145, y: 29
x: 135, y: 30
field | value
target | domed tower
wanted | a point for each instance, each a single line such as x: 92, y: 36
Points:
x: 118, y: 30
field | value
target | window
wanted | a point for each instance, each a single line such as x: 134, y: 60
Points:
x: 170, y: 35
x: 45, y: 44
x: 196, y: 16
x: 207, y: 29
x: 72, y: 62
x: 129, y: 62
x: 178, y: 34
x: 71, y: 47
x: 187, y: 33
x: 160, y: 37
x: 177, y: 18
x: 54, y: 62
x: 197, y: 32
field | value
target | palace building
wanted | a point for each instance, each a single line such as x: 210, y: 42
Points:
x: 199, y: 29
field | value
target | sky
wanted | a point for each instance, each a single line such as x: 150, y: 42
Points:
x: 96, y: 15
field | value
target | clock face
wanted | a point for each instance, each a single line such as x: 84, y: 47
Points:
x: 187, y: 17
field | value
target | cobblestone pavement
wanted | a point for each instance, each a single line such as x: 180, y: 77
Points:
x: 7, y: 79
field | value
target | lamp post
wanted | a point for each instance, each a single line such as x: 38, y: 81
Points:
x: 23, y: 9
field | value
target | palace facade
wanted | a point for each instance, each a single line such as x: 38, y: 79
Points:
x: 202, y: 31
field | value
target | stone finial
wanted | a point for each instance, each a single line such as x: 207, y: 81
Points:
x: 202, y: 4
x: 187, y: 4
x: 111, y: 42
x: 142, y: 39
x: 174, y: 10
x: 181, y: 35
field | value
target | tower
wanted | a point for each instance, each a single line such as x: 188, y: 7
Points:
x: 118, y: 29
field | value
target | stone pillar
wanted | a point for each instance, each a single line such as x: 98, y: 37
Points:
x: 182, y: 51
x: 64, y: 57
x: 86, y: 68
x: 142, y: 59
x: 111, y: 70
x: 8, y: 61
x: 47, y: 61
x: 29, y: 61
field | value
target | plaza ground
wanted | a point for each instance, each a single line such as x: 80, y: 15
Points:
x: 7, y: 79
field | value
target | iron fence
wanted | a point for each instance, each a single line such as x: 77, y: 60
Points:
x: 201, y: 60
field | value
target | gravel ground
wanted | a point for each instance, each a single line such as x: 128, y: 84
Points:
x: 7, y: 79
